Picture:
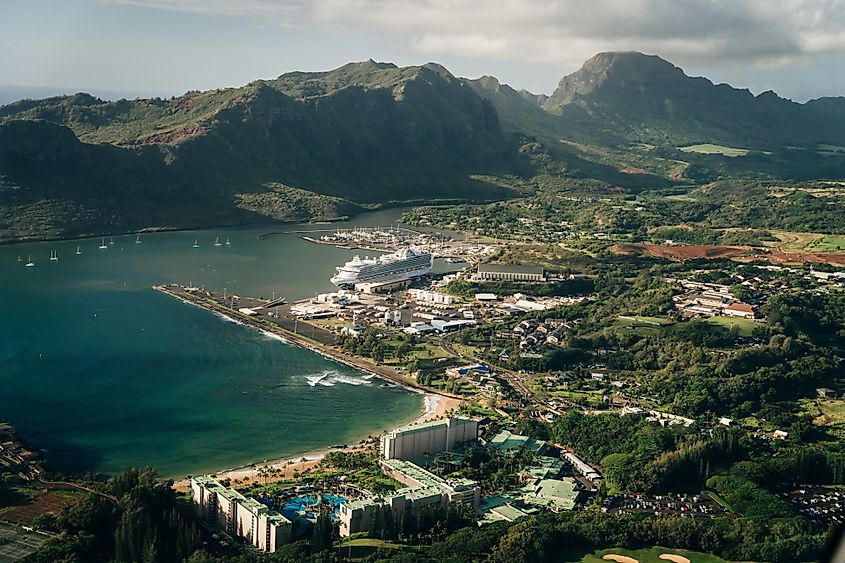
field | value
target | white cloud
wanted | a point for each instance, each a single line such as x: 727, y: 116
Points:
x: 565, y: 32
x: 271, y: 12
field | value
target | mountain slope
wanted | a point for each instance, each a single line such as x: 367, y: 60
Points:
x: 366, y: 133
x: 648, y: 99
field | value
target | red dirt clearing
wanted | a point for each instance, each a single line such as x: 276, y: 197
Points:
x: 44, y: 503
x: 681, y: 253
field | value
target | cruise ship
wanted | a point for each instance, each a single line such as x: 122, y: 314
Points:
x: 402, y: 264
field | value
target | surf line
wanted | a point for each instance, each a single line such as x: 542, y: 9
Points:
x: 293, y: 339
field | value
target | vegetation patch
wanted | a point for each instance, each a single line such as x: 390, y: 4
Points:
x: 708, y: 148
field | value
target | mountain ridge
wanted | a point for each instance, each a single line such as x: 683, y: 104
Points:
x: 371, y: 132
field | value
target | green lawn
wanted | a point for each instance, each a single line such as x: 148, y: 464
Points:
x: 828, y: 243
x: 745, y: 326
x: 707, y: 148
x: 832, y: 411
x: 647, y: 555
x: 643, y: 326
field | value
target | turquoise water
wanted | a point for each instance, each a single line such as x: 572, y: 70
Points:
x: 103, y: 372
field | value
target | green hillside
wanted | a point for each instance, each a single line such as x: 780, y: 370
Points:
x: 370, y: 134
x: 321, y: 145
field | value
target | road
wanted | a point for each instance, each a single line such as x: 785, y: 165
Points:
x: 514, y: 379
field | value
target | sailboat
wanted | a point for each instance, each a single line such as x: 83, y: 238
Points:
x: 217, y: 242
x: 103, y: 245
x: 54, y: 256
x: 196, y: 243
x: 111, y: 240
x: 138, y: 239
x: 78, y: 251
x: 19, y: 259
x: 29, y: 262
x: 228, y: 243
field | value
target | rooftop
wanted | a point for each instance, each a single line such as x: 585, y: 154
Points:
x: 510, y: 269
x: 416, y: 427
x: 505, y: 441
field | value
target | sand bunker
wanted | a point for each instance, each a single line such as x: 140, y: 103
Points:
x: 674, y: 558
x: 619, y: 558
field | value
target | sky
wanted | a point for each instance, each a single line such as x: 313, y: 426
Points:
x: 131, y: 48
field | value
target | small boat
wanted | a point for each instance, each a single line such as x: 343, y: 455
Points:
x: 138, y: 239
x: 196, y: 243
x: 19, y: 259
x: 111, y: 240
x: 217, y: 242
x: 54, y: 256
x: 103, y: 245
x: 29, y: 262
x: 228, y: 243
x: 78, y: 250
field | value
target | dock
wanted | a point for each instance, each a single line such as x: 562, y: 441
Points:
x: 291, y: 329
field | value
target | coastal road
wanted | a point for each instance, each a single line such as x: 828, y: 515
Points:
x: 308, y: 336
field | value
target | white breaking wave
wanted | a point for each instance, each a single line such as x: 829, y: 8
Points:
x: 330, y: 378
x: 228, y: 318
x: 271, y: 336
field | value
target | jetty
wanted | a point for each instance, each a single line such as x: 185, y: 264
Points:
x: 252, y: 312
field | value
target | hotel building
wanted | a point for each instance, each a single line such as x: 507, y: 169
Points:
x: 238, y: 515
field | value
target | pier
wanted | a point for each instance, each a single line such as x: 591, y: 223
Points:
x: 291, y: 329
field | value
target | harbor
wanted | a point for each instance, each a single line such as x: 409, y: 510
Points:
x: 253, y: 312
x: 390, y: 239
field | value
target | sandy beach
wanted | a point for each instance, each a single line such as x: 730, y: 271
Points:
x: 435, y: 407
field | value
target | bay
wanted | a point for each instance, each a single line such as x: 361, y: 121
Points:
x: 103, y: 372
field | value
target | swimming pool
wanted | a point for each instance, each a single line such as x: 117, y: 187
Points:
x: 307, y: 505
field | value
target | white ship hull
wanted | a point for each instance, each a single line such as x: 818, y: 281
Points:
x: 393, y: 267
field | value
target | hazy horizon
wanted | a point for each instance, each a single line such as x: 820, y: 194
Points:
x: 130, y: 48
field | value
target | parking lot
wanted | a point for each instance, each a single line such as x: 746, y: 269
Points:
x: 16, y: 543
x: 824, y: 506
x: 699, y: 506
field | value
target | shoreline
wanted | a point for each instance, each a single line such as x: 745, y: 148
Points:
x: 275, y: 330
x: 435, y: 404
x: 434, y: 407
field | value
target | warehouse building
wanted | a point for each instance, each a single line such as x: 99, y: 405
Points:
x: 511, y: 272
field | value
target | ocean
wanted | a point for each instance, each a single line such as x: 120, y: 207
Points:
x: 103, y: 373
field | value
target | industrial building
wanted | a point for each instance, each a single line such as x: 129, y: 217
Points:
x: 417, y: 441
x: 511, y: 272
x: 238, y: 515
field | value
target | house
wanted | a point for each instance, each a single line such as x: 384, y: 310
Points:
x: 826, y: 393
x: 741, y: 310
x: 725, y: 421
x: 780, y: 434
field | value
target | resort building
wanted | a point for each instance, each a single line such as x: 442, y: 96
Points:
x: 420, y: 441
x: 423, y: 488
x: 238, y: 515
x: 507, y: 442
x: 511, y: 272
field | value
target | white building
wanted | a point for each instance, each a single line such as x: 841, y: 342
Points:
x: 238, y: 515
x: 417, y: 441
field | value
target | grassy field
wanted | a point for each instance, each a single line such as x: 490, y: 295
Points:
x: 643, y: 326
x: 647, y: 555
x: 708, y: 148
x: 832, y: 411
x: 828, y: 243
x: 745, y: 326
x: 791, y: 241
